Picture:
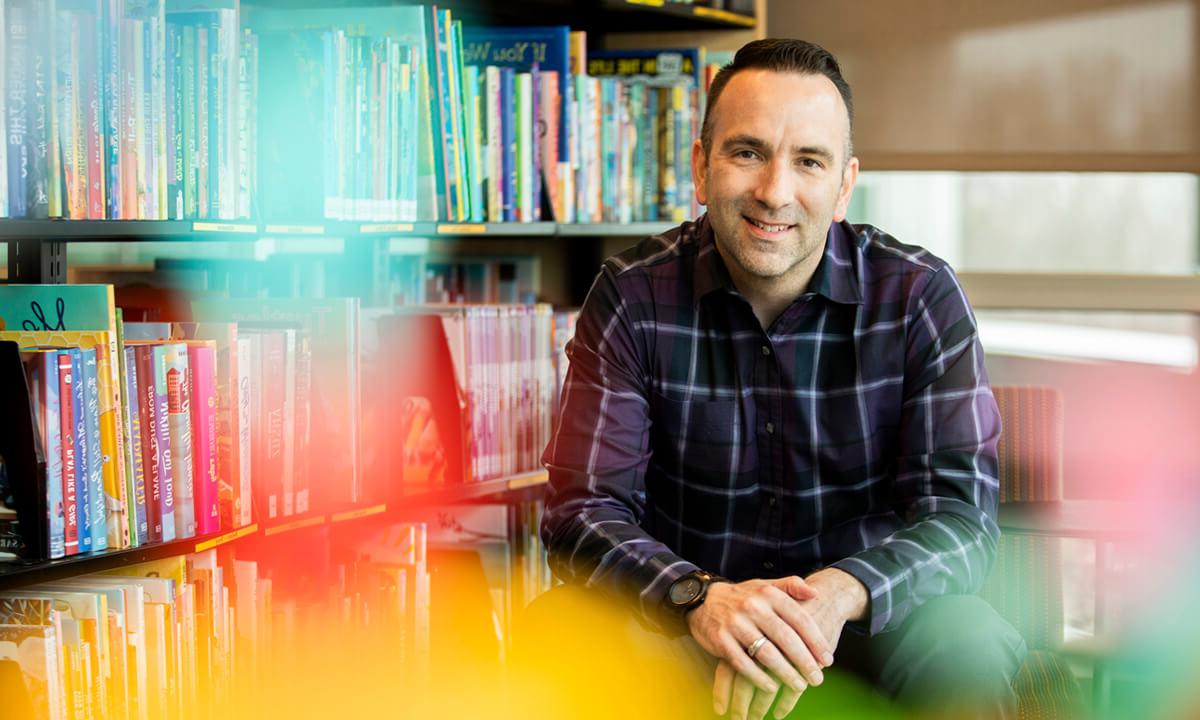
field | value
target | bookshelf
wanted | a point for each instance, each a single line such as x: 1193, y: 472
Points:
x: 329, y: 545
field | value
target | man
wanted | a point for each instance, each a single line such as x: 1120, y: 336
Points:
x: 773, y: 396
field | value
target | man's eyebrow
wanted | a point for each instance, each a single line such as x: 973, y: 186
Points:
x: 745, y: 141
x: 816, y: 150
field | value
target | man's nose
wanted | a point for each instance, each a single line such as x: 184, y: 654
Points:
x: 774, y: 188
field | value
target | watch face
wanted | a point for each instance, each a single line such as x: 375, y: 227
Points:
x: 685, y: 590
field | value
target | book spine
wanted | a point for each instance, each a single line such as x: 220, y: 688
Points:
x: 245, y: 99
x: 51, y: 426
x: 138, y: 507
x: 63, y: 100
x: 42, y: 193
x: 204, y: 405
x: 494, y: 156
x: 16, y: 101
x: 246, y: 361
x: 112, y: 106
x: 218, y: 178
x: 203, y: 119
x: 179, y: 438
x: 162, y: 158
x: 162, y: 431
x: 98, y: 504
x: 508, y: 114
x: 271, y: 419
x: 147, y: 154
x: 525, y: 141
x: 112, y: 451
x: 174, y: 132
x: 226, y: 419
x: 303, y: 415
x: 231, y: 106
x: 287, y: 439
x: 189, y: 170
x: 83, y: 501
x: 92, y: 91
x: 3, y: 116
x: 70, y: 490
x: 151, y: 448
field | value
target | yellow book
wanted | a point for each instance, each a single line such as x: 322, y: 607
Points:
x: 116, y: 507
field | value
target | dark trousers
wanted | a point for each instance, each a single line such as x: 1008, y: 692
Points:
x: 578, y: 656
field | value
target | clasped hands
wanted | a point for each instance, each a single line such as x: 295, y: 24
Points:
x: 801, y: 621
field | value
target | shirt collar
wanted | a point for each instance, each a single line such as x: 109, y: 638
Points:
x: 836, y: 276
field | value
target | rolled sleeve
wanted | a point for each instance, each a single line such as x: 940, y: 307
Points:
x: 946, y: 486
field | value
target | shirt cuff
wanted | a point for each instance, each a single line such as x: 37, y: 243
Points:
x: 879, y: 586
x: 652, y: 601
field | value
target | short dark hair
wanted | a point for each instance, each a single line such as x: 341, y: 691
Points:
x: 779, y: 55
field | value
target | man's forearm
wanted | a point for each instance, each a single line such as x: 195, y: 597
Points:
x: 850, y: 594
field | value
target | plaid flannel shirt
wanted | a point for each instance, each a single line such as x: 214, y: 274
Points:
x: 858, y: 431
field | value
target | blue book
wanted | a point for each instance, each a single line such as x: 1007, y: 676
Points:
x: 162, y: 431
x: 16, y: 61
x: 138, y: 501
x: 520, y: 48
x: 97, y: 521
x: 666, y: 67
x: 508, y: 114
x: 83, y: 462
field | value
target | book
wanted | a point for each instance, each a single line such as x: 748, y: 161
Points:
x: 176, y: 376
x: 202, y: 389
x: 41, y: 367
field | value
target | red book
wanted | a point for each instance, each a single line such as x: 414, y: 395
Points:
x: 95, y: 136
x: 203, y: 390
x: 147, y: 409
x: 67, y: 423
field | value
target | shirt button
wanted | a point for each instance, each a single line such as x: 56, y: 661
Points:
x: 770, y: 428
x: 771, y: 500
x: 766, y: 350
x: 768, y: 564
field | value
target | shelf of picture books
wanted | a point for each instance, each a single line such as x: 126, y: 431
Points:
x: 209, y: 112
x: 270, y: 414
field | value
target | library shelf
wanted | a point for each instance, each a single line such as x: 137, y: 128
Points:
x: 19, y: 575
x: 515, y: 488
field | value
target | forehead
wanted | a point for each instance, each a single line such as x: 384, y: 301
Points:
x: 774, y: 106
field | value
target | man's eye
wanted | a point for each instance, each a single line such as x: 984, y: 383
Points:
x: 811, y: 163
x: 746, y: 155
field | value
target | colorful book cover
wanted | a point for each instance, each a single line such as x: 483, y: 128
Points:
x: 3, y: 121
x: 42, y: 374
x: 43, y: 181
x: 303, y: 420
x: 112, y: 105
x: 70, y: 478
x: 162, y: 432
x: 202, y: 364
x: 82, y: 462
x: 179, y: 434
x: 140, y: 534
x: 152, y: 460
x: 16, y: 138
x: 287, y: 437
x: 242, y: 439
x: 92, y: 92
x: 510, y: 133
x: 98, y: 505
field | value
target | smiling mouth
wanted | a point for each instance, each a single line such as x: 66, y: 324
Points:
x: 767, y: 227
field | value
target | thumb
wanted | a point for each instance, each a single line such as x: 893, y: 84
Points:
x: 795, y: 586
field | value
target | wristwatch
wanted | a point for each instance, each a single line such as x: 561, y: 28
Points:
x: 688, y: 591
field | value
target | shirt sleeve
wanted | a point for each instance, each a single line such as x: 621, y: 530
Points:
x: 946, y: 486
x: 597, y: 461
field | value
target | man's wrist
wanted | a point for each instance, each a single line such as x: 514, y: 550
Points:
x: 850, y: 594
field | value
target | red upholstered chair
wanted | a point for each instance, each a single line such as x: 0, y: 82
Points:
x: 1025, y: 585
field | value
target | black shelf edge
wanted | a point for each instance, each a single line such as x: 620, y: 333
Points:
x: 683, y: 16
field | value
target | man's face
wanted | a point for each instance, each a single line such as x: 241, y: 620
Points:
x: 777, y: 174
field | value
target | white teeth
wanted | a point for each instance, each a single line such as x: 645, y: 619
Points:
x: 769, y: 228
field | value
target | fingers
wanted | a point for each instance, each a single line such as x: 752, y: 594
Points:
x: 743, y: 696
x: 795, y: 587
x: 787, y: 655
x: 786, y: 703
x: 734, y: 650
x: 722, y: 687
x: 760, y: 705
x: 803, y: 624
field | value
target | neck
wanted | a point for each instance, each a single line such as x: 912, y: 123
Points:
x: 770, y: 296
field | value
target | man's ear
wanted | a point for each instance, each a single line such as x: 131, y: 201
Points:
x: 699, y: 171
x: 849, y: 177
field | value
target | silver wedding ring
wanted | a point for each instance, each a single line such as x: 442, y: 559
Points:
x: 756, y: 646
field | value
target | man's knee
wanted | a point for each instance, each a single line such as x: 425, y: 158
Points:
x: 956, y: 650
